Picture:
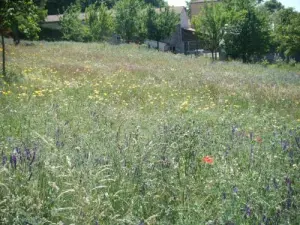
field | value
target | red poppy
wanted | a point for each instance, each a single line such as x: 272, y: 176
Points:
x: 208, y: 159
x: 258, y: 139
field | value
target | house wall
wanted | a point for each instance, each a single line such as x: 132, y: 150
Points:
x: 175, y: 40
x: 153, y: 44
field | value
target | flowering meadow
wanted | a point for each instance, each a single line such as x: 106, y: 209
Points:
x: 100, y: 134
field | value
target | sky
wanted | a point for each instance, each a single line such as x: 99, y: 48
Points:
x: 287, y: 3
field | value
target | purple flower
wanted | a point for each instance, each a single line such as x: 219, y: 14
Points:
x: 4, y: 159
x: 27, y: 153
x: 247, y: 211
x: 235, y: 190
x: 13, y: 161
x: 284, y: 145
x: 288, y: 181
x: 289, y: 202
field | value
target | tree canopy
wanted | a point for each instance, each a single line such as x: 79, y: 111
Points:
x: 127, y: 18
x: 100, y: 22
x: 15, y: 16
x: 241, y: 29
x: 287, y: 31
x: 210, y: 27
x: 160, y: 24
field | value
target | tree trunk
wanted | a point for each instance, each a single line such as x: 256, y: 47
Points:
x: 15, y: 34
x: 157, y: 43
x: 244, y: 58
x: 3, y: 55
x: 212, y: 55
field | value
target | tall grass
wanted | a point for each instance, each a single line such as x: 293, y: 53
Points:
x: 100, y: 134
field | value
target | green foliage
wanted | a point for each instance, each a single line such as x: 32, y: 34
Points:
x: 210, y: 26
x: 156, y: 3
x: 287, y: 31
x: 273, y: 5
x: 247, y: 32
x: 100, y: 22
x: 21, y: 16
x: 72, y: 25
x: 160, y: 24
x: 127, y: 14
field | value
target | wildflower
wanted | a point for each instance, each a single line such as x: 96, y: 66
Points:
x: 13, y: 161
x: 27, y: 153
x: 258, y: 139
x: 235, y: 189
x: 284, y: 145
x: 247, y: 211
x: 4, y: 159
x: 288, y: 181
x: 184, y: 106
x: 208, y: 159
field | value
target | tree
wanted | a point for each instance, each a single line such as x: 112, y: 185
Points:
x: 156, y: 3
x: 100, y: 22
x: 15, y: 16
x: 72, y: 27
x: 247, y: 32
x: 160, y: 24
x: 210, y: 27
x: 128, y: 19
x: 287, y: 32
x: 273, y: 5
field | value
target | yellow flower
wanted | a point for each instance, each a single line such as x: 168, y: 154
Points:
x: 184, y: 106
x: 6, y: 92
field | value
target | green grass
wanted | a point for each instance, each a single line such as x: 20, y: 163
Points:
x: 107, y: 134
